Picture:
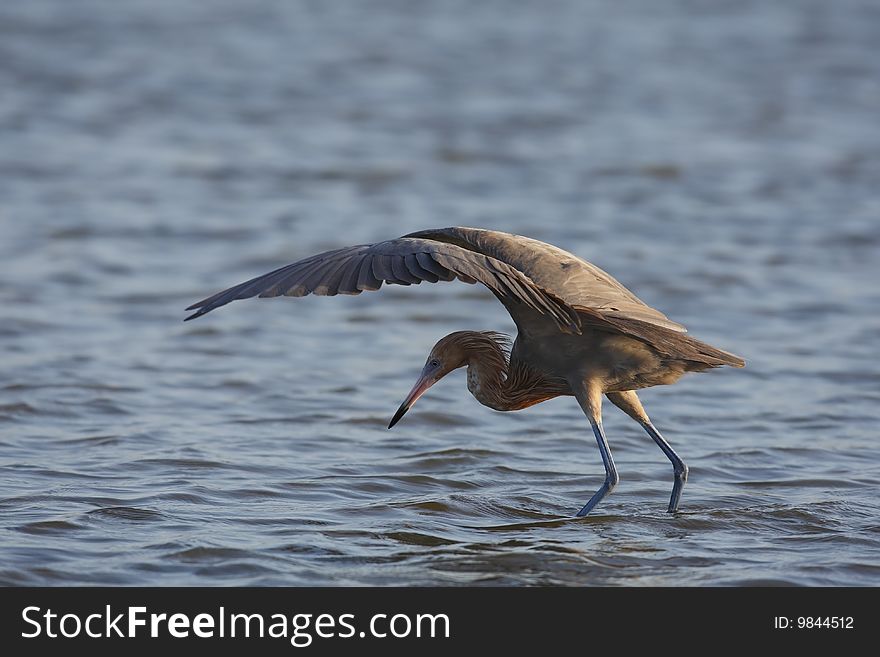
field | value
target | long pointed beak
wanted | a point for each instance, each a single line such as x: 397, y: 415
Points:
x: 425, y: 381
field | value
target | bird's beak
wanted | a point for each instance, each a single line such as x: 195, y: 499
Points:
x: 425, y: 381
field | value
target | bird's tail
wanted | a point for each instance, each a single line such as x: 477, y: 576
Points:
x: 673, y: 344
x: 712, y: 356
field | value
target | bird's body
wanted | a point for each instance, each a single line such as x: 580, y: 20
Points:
x: 580, y: 332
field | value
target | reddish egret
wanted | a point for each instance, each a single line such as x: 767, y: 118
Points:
x: 580, y: 332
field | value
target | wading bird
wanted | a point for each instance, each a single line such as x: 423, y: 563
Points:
x: 580, y: 332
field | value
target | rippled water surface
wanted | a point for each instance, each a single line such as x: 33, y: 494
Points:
x: 721, y: 159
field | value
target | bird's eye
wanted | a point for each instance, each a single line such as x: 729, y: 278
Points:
x: 434, y: 362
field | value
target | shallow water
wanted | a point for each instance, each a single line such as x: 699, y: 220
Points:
x: 721, y: 159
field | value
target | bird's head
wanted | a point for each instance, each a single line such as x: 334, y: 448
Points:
x: 448, y: 354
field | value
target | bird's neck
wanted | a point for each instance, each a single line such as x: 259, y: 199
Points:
x: 502, y: 383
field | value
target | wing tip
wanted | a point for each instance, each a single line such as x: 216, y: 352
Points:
x: 729, y: 359
x: 569, y: 325
x: 197, y: 314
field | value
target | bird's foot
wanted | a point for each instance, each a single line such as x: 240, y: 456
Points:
x: 679, y: 479
x: 609, y: 485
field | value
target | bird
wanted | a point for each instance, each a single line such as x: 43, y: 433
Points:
x: 580, y: 332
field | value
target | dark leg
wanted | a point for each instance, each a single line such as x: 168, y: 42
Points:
x: 679, y: 469
x: 629, y: 403
x: 611, y: 476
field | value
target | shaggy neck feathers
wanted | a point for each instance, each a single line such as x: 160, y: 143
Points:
x: 498, y: 381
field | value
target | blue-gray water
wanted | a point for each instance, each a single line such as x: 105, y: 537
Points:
x: 720, y: 158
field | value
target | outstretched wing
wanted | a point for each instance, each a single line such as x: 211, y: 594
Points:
x: 404, y: 261
x: 576, y: 282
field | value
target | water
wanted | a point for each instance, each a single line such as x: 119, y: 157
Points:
x: 721, y: 159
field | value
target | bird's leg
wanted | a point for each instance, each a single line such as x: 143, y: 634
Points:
x: 679, y: 469
x: 590, y: 400
x: 611, y: 476
x: 629, y: 403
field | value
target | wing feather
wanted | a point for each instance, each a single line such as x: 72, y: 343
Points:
x: 367, y: 280
x: 574, y: 281
x: 412, y: 264
x: 404, y: 261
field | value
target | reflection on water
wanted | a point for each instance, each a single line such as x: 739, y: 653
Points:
x: 722, y: 161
